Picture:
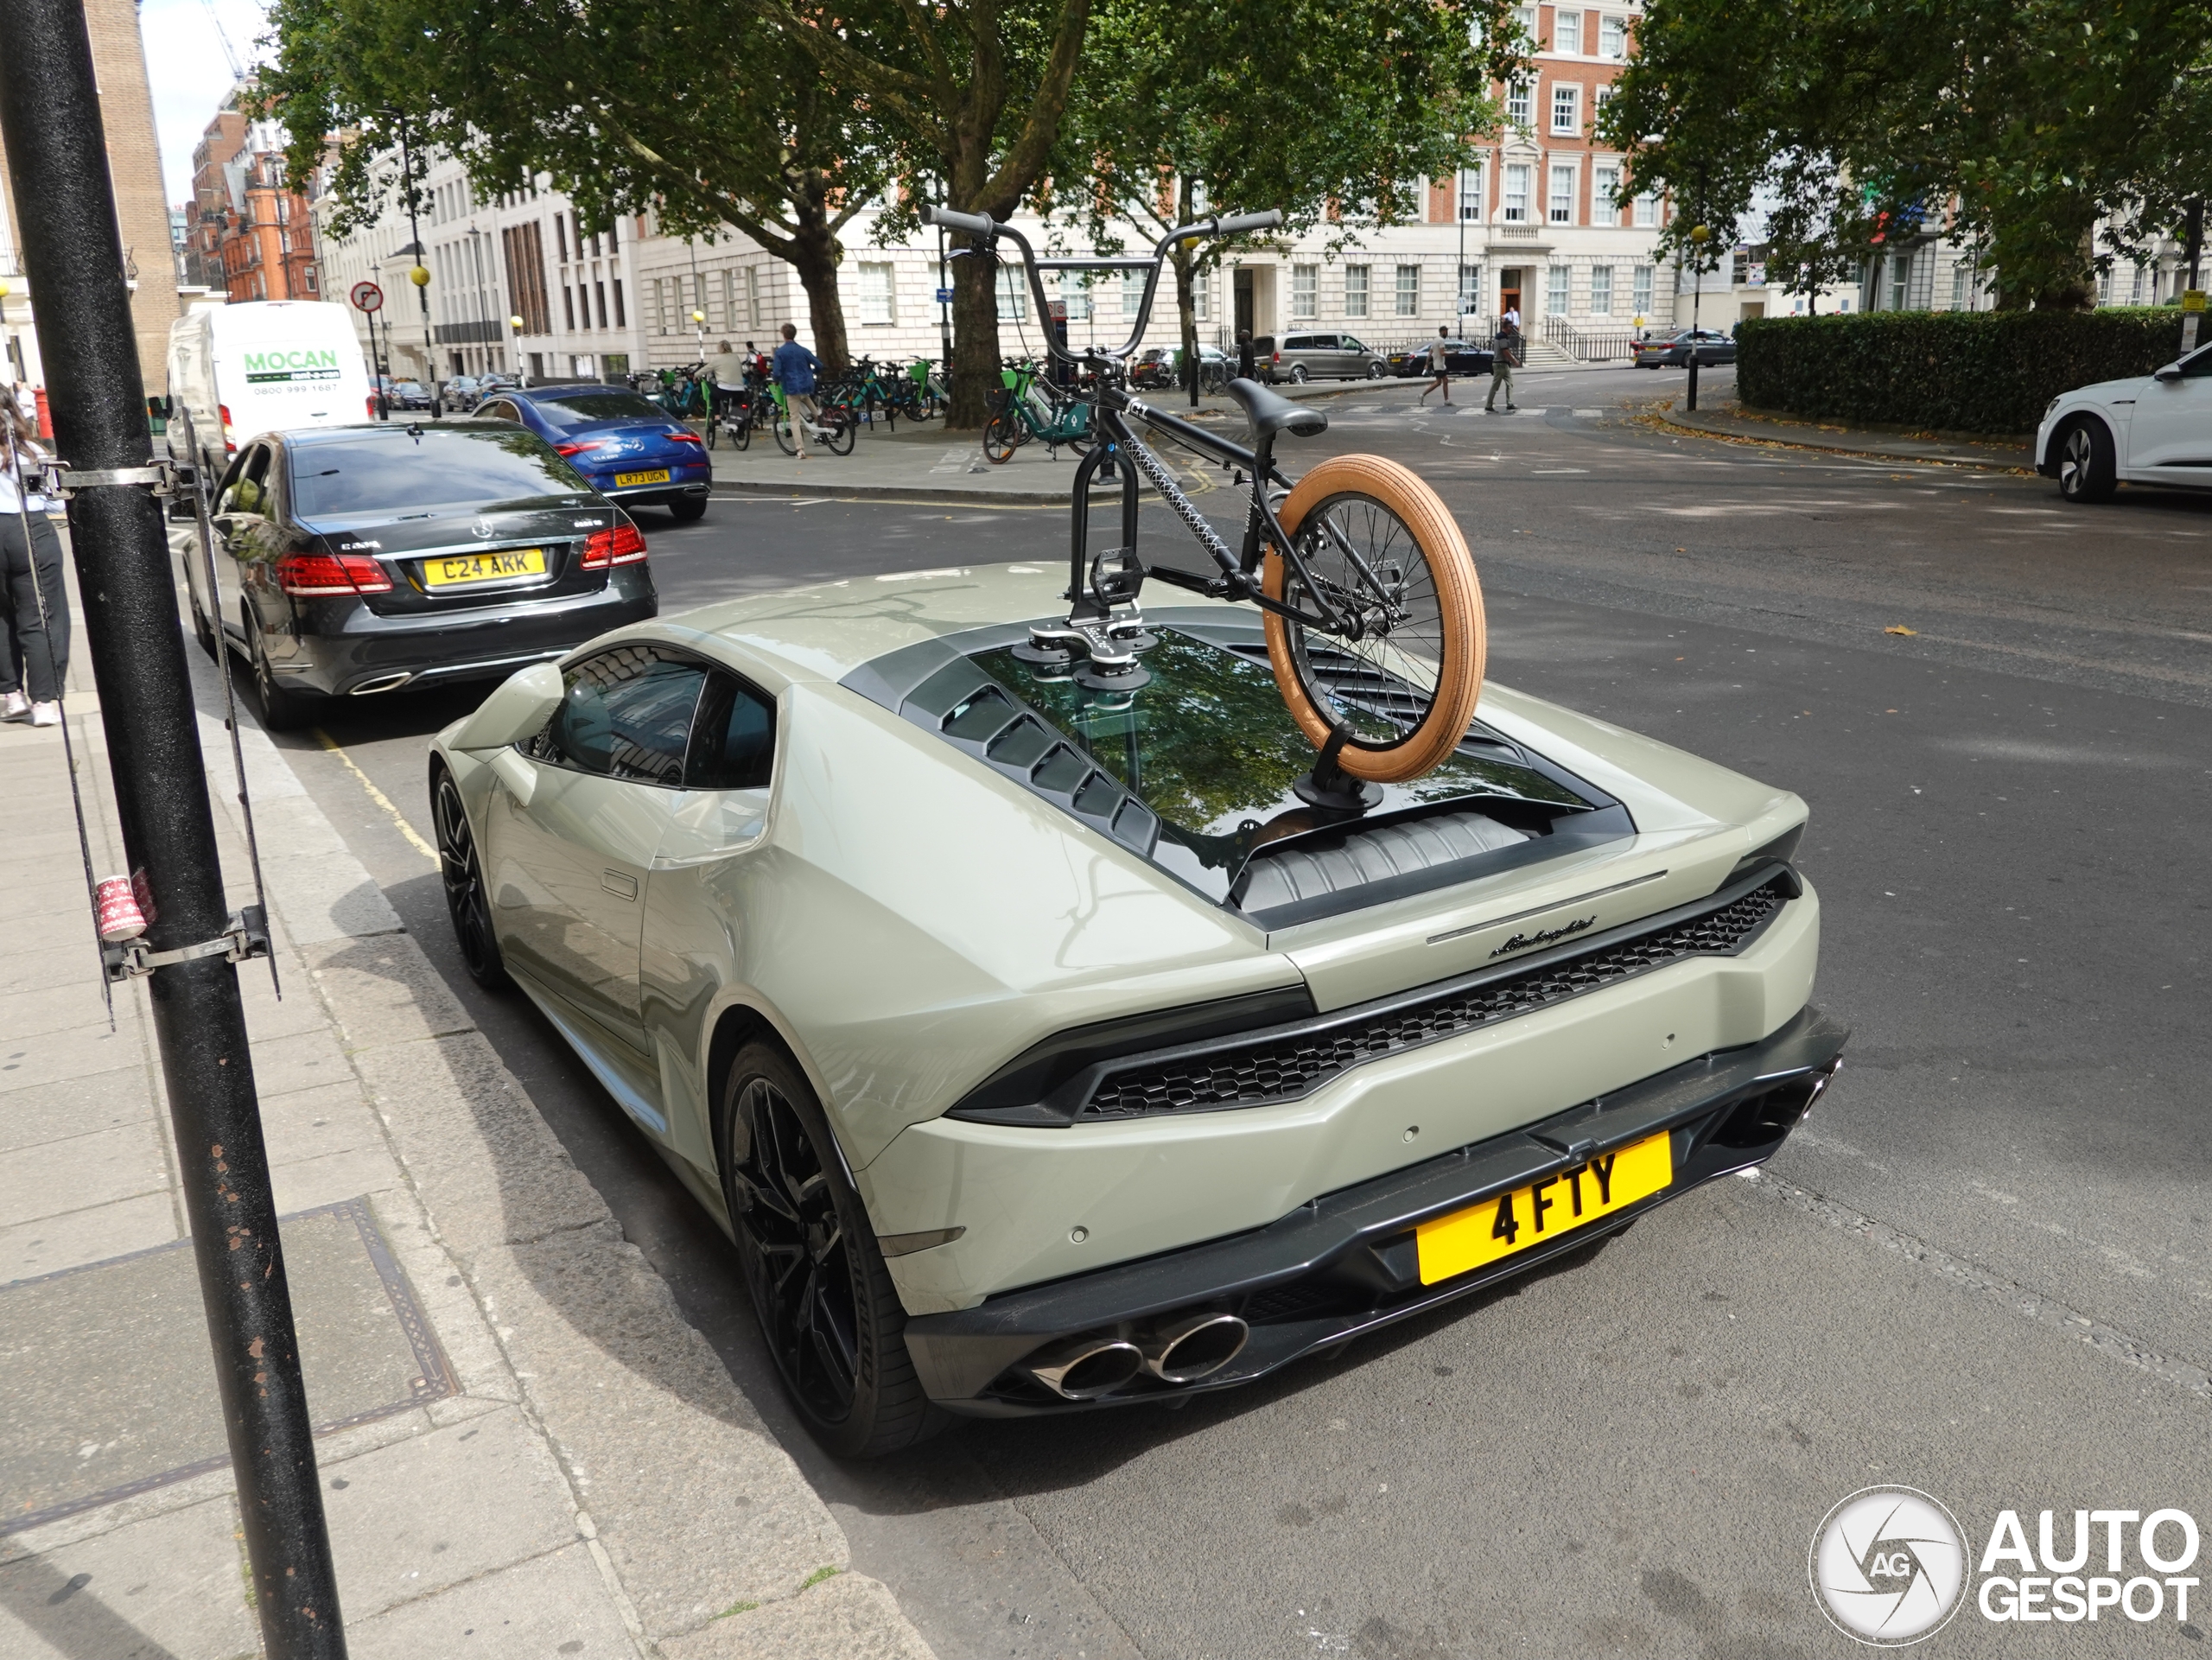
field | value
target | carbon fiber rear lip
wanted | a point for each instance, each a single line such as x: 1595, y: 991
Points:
x: 1351, y: 1234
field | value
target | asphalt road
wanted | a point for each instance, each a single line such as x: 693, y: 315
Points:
x: 1983, y: 1269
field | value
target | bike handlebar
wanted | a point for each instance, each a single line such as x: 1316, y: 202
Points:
x: 1237, y: 224
x: 974, y: 224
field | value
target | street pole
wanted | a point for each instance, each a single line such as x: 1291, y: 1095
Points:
x: 57, y: 157
x: 419, y: 273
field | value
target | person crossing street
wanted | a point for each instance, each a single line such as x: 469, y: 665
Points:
x: 34, y: 603
x: 1503, y: 361
x: 1440, y: 365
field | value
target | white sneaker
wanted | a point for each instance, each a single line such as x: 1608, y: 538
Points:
x: 15, y: 707
x: 45, y: 715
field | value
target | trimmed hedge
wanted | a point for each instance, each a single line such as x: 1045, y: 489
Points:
x: 1955, y: 370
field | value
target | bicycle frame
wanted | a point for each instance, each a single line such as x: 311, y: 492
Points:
x: 1104, y: 596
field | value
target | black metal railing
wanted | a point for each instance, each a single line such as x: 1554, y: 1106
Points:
x: 1589, y: 345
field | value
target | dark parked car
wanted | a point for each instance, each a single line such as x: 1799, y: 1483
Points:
x: 353, y: 560
x: 410, y: 395
x: 1672, y: 348
x: 630, y: 449
x: 1154, y: 367
x: 462, y: 391
x: 1461, y: 358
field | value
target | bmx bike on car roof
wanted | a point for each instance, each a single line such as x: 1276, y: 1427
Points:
x: 1374, y: 615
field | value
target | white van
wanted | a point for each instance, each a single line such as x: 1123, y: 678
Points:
x: 263, y: 365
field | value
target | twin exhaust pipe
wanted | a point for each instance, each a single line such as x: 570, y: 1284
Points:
x: 1183, y: 1350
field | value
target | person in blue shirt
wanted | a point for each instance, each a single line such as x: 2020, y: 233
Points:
x: 796, y: 368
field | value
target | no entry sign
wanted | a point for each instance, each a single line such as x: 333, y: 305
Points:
x: 367, y: 296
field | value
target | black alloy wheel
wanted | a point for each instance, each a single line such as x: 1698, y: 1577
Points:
x: 204, y: 631
x: 824, y: 1299
x: 2087, y: 469
x: 467, y: 900
x: 280, y: 710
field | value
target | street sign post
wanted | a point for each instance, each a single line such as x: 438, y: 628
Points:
x: 367, y: 296
x: 368, y: 299
x: 64, y: 210
x: 2192, y: 317
x: 944, y: 296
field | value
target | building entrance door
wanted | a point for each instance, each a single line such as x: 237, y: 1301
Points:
x: 1509, y: 291
x: 1243, y: 302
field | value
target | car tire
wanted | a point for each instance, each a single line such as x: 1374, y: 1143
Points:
x: 282, y: 710
x: 831, y: 1316
x: 203, y: 631
x: 689, y: 511
x: 1374, y: 372
x: 467, y: 902
x: 1297, y: 374
x: 2087, y: 470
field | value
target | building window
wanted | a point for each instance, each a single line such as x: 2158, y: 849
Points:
x: 1647, y: 209
x: 1566, y: 109
x: 1521, y: 104
x: 1517, y: 194
x: 1305, y: 292
x: 1561, y: 204
x: 1605, y: 192
x: 753, y: 297
x: 1471, y: 289
x: 1558, y: 289
x: 1132, y: 292
x: 1409, y: 290
x: 599, y: 296
x: 1612, y: 38
x: 1739, y: 268
x: 1471, y: 192
x: 1901, y: 280
x: 1356, y: 279
x: 1566, y: 32
x: 568, y: 306
x: 1642, y: 300
x: 1525, y: 18
x: 661, y: 306
x: 878, y: 300
x: 621, y: 319
x: 1601, y: 290
x: 1202, y: 286
x: 1014, y: 294
x: 1960, y: 280
x: 1075, y: 294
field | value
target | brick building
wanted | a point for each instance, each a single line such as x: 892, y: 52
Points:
x: 250, y: 238
x: 142, y: 211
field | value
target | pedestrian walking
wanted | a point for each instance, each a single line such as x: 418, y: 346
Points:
x: 1503, y: 361
x: 796, y: 368
x: 34, y: 603
x: 1512, y: 318
x: 1244, y: 355
x: 1440, y: 365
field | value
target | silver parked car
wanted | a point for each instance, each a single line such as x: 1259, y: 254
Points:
x: 1044, y: 1050
x: 1326, y: 357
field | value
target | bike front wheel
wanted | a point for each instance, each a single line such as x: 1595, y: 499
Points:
x: 1381, y: 548
x: 1001, y: 436
x: 786, y: 433
x: 839, y: 431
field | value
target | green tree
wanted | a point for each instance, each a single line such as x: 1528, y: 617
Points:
x: 973, y: 93
x: 1853, y: 124
x: 1330, y: 110
x: 696, y: 110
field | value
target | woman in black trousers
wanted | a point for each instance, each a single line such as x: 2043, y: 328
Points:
x: 34, y: 604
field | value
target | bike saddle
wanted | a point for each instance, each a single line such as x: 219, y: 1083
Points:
x: 1271, y: 412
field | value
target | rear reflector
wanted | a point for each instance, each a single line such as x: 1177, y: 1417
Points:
x: 312, y: 576
x: 621, y: 546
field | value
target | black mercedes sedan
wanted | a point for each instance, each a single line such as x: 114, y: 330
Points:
x: 355, y: 560
x: 1461, y: 357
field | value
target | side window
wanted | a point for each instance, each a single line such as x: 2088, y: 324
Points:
x: 248, y: 491
x: 2198, y: 366
x: 733, y: 740
x: 497, y: 411
x: 626, y: 714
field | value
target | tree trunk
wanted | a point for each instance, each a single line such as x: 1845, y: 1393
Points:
x: 814, y: 256
x: 1186, y: 317
x: 975, y: 340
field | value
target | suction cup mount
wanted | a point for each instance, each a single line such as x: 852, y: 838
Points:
x: 1329, y: 788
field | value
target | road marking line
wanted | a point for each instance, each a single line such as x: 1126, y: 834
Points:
x: 377, y: 796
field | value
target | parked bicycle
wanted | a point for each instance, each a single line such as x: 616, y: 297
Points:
x: 744, y: 409
x: 1028, y: 406
x: 834, y: 428
x: 1358, y: 566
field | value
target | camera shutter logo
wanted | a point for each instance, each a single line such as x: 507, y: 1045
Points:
x: 1889, y: 1566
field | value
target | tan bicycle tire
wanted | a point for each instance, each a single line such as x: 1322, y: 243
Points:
x: 1459, y: 599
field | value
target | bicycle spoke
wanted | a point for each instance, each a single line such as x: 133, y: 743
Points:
x: 1364, y: 563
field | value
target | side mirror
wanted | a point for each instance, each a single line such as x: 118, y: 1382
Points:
x: 519, y: 709
x: 2171, y: 372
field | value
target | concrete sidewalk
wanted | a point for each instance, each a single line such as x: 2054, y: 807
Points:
x: 1723, y: 417
x: 524, y: 1450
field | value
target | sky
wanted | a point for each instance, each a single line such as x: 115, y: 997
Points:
x: 185, y: 62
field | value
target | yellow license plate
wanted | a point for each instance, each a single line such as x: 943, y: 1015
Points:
x: 1544, y: 1209
x: 658, y: 475
x: 456, y: 568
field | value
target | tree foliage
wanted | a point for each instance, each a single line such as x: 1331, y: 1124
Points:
x: 1854, y: 123
x: 695, y: 110
x: 1330, y: 110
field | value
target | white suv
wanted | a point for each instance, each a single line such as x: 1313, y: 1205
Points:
x: 2155, y: 428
